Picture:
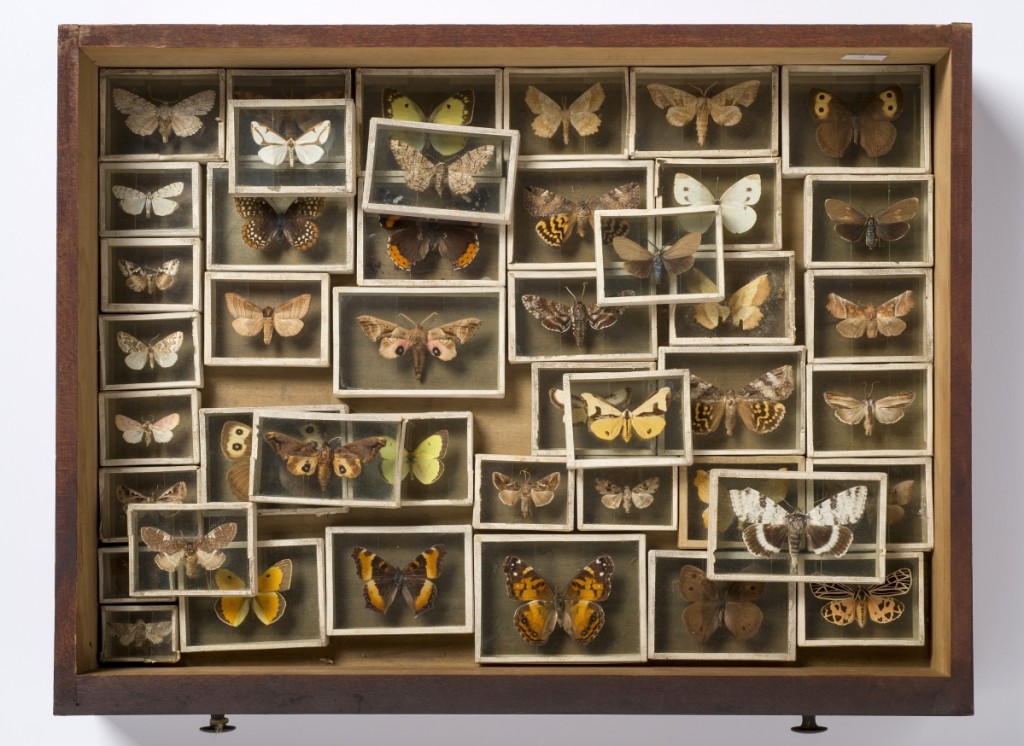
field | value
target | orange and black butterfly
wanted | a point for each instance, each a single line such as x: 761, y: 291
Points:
x: 382, y: 581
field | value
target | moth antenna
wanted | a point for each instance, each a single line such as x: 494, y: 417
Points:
x: 432, y: 315
x: 869, y: 391
x: 411, y: 322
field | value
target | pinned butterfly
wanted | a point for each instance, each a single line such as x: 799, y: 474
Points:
x: 410, y: 241
x: 236, y: 445
x: 576, y: 608
x: 578, y: 409
x: 264, y: 226
x: 439, y: 341
x: 526, y: 492
x: 736, y: 203
x: 416, y: 581
x: 457, y: 109
x: 267, y: 605
x: 425, y: 462
x: 870, y: 125
x: 714, y: 606
x: 138, y: 633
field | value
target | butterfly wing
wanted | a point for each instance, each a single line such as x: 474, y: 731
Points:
x: 308, y: 147
x: 232, y: 610
x: 537, y: 618
x: 582, y: 616
x: 875, y: 132
x: 900, y: 495
x: 678, y: 256
x: 428, y: 458
x: 418, y: 579
x: 689, y: 192
x: 742, y: 617
x: 647, y: 420
x: 380, y: 579
x: 702, y: 617
x: 582, y: 112
x: 388, y: 457
x: 738, y: 215
x: 835, y: 128
x: 288, y: 316
x: 269, y: 604
x: 236, y: 445
x: 457, y: 109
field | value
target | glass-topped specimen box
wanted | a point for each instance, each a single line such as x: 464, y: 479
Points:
x: 523, y: 493
x: 628, y: 498
x: 435, y: 457
x: 114, y: 576
x: 150, y: 199
x: 247, y: 84
x: 122, y: 486
x: 770, y: 525
x: 719, y: 112
x: 151, y: 275
x: 144, y: 633
x: 161, y: 115
x: 150, y: 351
x: 149, y: 428
x: 291, y: 147
x: 867, y: 119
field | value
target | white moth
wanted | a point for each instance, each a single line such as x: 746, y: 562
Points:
x: 134, y: 201
x: 307, y: 147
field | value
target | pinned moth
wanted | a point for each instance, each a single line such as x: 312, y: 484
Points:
x: 525, y: 491
x: 133, y: 431
x: 425, y: 462
x: 723, y: 108
x: 159, y: 202
x: 860, y: 320
x: 561, y: 215
x: 581, y: 114
x: 264, y: 226
x: 138, y: 633
x: 858, y: 603
x: 416, y: 581
x: 250, y: 319
x: 887, y: 410
x: 889, y: 224
x: 307, y: 147
x: 674, y: 259
x: 560, y: 317
x: 900, y: 496
x: 870, y: 126
x: 181, y: 118
x: 456, y: 109
x: 736, y: 202
x: 421, y: 172
x: 758, y: 404
x: 646, y: 420
x: 196, y: 552
x: 162, y: 352
x: 639, y: 496
x: 717, y: 605
x: 176, y: 493
x: 236, y: 445
x: 142, y: 277
x: 267, y: 605
x: 439, y: 341
x: 578, y: 410
x: 822, y: 530
x: 309, y: 458
x: 742, y: 308
x: 576, y: 608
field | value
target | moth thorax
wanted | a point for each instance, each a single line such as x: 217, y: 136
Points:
x: 730, y: 413
x: 860, y: 599
x: 797, y: 531
x: 871, y: 233
x: 579, y: 323
x: 323, y: 470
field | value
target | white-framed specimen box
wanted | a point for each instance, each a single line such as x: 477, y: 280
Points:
x: 528, y: 585
x: 758, y: 308
x: 554, y: 316
x: 568, y: 112
x: 885, y: 614
x: 909, y: 504
x: 452, y: 96
x: 745, y: 400
x: 267, y: 319
x: 691, y: 617
x: 161, y: 115
x: 435, y: 457
x: 175, y: 549
x: 553, y: 219
x: 650, y: 428
x: 695, y: 492
x: 523, y: 493
x: 868, y: 315
x: 719, y: 112
x: 400, y: 251
x: 150, y: 351
x: 320, y: 458
x: 225, y: 445
x: 658, y: 267
x: 399, y: 580
x: 273, y: 233
x: 805, y: 526
x: 471, y: 180
x: 419, y: 342
x: 142, y: 633
x: 627, y: 498
x: 329, y: 83
x: 291, y: 147
x: 868, y: 119
x: 868, y: 221
x: 150, y: 199
x: 151, y: 275
x: 149, y: 428
x: 748, y: 191
x: 880, y: 409
x: 120, y: 487
x: 114, y: 570
x: 287, y: 610
x: 547, y: 404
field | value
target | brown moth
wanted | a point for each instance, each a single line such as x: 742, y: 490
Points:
x: 900, y: 495
x: 674, y: 259
x: 141, y: 277
x: 552, y: 116
x: 561, y: 215
x: 723, y: 107
x: 200, y: 551
x: 525, y: 491
x: 137, y: 633
x: 714, y: 605
x: 887, y: 410
x: 743, y: 307
x: 858, y: 321
x: 145, y: 117
x: 250, y: 319
x: 305, y: 458
x: 236, y: 445
x: 134, y: 431
x: 759, y: 403
x: 870, y: 126
x: 560, y: 317
x: 889, y: 224
x: 176, y: 493
x: 421, y: 172
x: 439, y: 340
x: 639, y: 496
x: 162, y: 352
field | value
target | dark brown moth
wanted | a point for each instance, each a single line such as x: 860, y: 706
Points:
x: 560, y: 317
x: 561, y: 214
x: 439, y: 340
x: 526, y: 491
x: 759, y: 403
x: 889, y: 224
x: 870, y: 320
x: 196, y: 552
x: 306, y: 458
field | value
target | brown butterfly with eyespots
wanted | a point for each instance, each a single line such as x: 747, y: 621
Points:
x: 716, y: 605
x: 870, y: 126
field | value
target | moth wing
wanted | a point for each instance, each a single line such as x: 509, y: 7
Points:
x: 622, y: 197
x: 548, y: 111
x: 844, y: 213
x: 901, y: 493
x: 737, y: 214
x: 775, y: 385
x: 165, y: 351
x: 541, y: 203
x: 300, y: 457
x: 835, y: 122
x: 892, y: 222
x: 751, y: 506
x: 896, y: 583
x: 901, y: 305
x: 855, y: 321
x: 550, y: 313
x: 185, y: 114
x: 462, y: 329
x: 890, y: 409
x: 601, y: 317
x: 288, y: 316
x: 162, y: 428
x: 831, y: 591
x: 581, y: 111
x: 508, y: 489
x: 708, y: 405
x: 348, y: 459
x: 140, y: 114
x: 638, y: 261
x: 884, y: 610
x: 248, y: 319
x: 724, y: 106
x: 680, y: 106
x: 847, y: 409
x: 603, y: 419
x: 643, y: 493
x: 542, y: 491
x: 745, y: 304
x: 308, y: 146
x: 708, y: 315
x: 133, y: 429
x: 648, y: 419
x: 166, y: 272
x: 161, y: 201
x: 133, y: 201
x: 418, y: 170
x: 157, y: 632
x: 138, y: 351
x: 611, y: 494
x: 876, y: 133
x: 375, y: 328
x: 678, y: 257
x: 273, y: 147
x: 462, y: 170
x: 840, y: 612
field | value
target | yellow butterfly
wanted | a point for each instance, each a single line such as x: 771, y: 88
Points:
x: 268, y: 604
x: 457, y: 109
x: 646, y: 421
x: 743, y: 307
x: 580, y: 113
x: 425, y: 462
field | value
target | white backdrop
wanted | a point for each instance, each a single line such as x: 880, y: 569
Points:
x: 27, y: 187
